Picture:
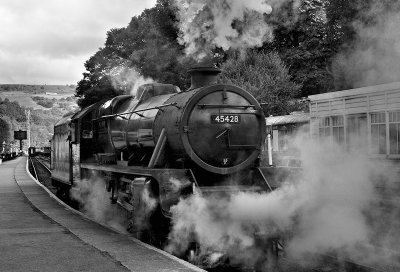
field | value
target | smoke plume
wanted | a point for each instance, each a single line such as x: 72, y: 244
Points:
x: 374, y: 58
x: 127, y: 79
x: 94, y: 201
x: 205, y: 25
x: 140, y: 221
x: 326, y: 209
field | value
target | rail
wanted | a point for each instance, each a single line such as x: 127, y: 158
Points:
x: 34, y: 167
x: 43, y: 164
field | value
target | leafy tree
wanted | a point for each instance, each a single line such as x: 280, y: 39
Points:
x: 353, y: 34
x: 309, y: 38
x: 147, y: 46
x: 12, y: 109
x: 300, y: 37
x: 5, y: 134
x: 266, y: 77
x: 160, y: 56
x: 95, y: 84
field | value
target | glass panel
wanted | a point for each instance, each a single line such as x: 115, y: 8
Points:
x: 382, y: 139
x: 283, y: 141
x: 356, y: 135
x: 374, y: 139
x: 378, y: 117
x: 394, y: 138
x: 324, y: 122
x: 337, y: 121
x: 394, y: 117
x: 338, y: 134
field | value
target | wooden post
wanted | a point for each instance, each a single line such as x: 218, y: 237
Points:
x: 269, y: 149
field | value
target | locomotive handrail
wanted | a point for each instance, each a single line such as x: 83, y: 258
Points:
x: 136, y: 112
x: 225, y: 106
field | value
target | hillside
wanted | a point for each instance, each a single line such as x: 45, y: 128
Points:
x: 46, y: 103
x: 23, y: 94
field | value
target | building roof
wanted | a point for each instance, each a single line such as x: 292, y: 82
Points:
x: 355, y: 92
x: 293, y: 118
x: 63, y: 121
x: 83, y: 112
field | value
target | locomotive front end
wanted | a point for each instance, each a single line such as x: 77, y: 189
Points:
x: 219, y: 127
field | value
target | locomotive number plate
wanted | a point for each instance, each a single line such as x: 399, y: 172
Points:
x: 225, y: 118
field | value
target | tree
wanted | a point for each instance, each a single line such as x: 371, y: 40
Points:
x: 363, y: 34
x: 96, y: 84
x: 160, y: 56
x: 5, y: 134
x: 300, y: 38
x: 146, y: 47
x: 266, y: 77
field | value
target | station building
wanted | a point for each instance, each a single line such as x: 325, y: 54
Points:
x: 365, y: 119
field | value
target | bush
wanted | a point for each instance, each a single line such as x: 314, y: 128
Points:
x: 45, y: 103
x: 266, y: 77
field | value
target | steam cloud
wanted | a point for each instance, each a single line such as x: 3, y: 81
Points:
x: 141, y: 220
x: 95, y: 202
x: 126, y: 78
x: 205, y: 25
x: 326, y: 209
x: 94, y: 199
x: 375, y: 56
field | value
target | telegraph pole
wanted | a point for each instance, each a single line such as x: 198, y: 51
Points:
x: 28, y: 124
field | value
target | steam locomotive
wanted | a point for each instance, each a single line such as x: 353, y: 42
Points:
x: 172, y: 143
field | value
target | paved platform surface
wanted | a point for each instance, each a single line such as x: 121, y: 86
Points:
x: 37, y: 233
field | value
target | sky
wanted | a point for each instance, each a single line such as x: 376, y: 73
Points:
x: 48, y: 41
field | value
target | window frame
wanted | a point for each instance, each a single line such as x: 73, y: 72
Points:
x: 395, y: 121
x: 379, y: 122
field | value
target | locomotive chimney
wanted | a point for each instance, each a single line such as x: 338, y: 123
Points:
x: 203, y: 74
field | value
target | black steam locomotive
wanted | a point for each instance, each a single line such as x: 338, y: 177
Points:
x: 205, y: 140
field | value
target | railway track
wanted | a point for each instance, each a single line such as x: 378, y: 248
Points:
x: 40, y: 169
x: 35, y: 161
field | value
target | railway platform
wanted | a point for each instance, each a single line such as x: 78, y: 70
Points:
x: 38, y: 233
